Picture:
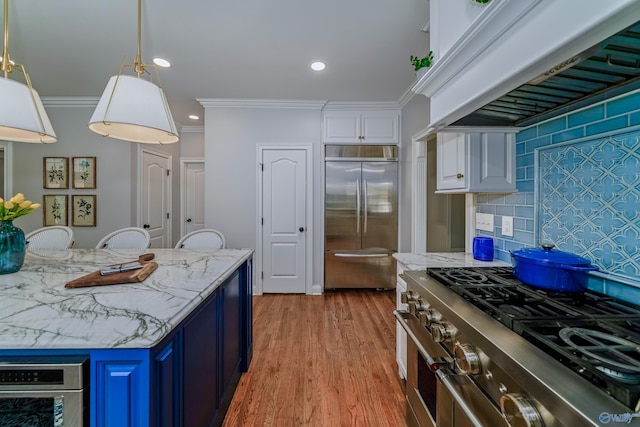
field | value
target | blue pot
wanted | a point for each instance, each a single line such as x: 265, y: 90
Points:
x: 551, y: 269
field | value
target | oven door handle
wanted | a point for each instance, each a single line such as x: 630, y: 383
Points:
x: 401, y: 316
x: 445, y: 378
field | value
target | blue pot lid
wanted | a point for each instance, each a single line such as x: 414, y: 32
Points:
x: 547, y: 255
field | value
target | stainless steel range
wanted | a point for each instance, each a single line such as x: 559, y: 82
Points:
x: 486, y: 350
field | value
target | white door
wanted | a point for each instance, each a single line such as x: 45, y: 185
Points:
x: 192, y: 196
x: 284, y: 213
x: 155, y: 197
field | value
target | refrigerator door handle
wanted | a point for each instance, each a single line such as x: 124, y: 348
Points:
x: 357, y: 206
x: 366, y: 205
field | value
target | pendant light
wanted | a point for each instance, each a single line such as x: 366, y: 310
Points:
x: 132, y: 108
x: 22, y: 115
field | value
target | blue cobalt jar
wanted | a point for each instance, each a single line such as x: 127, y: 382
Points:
x: 12, y: 247
x: 483, y: 248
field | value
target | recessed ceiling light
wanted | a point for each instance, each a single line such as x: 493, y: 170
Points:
x: 318, y: 66
x: 160, y: 62
x: 193, y: 117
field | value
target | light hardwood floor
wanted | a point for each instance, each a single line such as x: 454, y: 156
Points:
x: 321, y: 361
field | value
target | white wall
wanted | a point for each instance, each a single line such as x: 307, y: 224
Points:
x: 415, y: 118
x: 231, y: 137
x: 449, y: 19
x: 116, y: 171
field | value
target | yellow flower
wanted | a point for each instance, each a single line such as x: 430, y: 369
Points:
x: 18, y: 198
x: 8, y: 204
x: 16, y: 207
x: 35, y: 206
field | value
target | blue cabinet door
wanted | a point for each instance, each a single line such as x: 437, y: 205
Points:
x: 231, y: 332
x: 166, y: 404
x: 200, y: 365
x: 120, y: 388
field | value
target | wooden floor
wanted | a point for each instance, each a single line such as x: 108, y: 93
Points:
x: 321, y: 361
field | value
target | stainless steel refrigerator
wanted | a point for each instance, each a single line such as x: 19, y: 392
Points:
x: 361, y: 216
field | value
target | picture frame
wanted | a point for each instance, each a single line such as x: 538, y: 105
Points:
x: 83, y: 211
x: 83, y: 172
x: 55, y: 172
x: 55, y: 210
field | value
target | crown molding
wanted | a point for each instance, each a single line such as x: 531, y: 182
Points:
x: 261, y: 103
x: 391, y: 105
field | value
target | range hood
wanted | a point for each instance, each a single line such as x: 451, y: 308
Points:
x: 612, y: 66
x: 522, y: 61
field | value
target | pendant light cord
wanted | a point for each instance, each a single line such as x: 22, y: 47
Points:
x: 138, y: 65
x: 6, y: 65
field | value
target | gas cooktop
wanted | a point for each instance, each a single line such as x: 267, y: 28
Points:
x: 595, y: 335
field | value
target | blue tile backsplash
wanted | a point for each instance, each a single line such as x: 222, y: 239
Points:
x: 578, y: 181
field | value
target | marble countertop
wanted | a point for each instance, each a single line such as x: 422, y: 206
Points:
x: 422, y: 261
x: 38, y: 312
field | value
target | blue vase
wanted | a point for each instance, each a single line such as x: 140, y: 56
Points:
x: 12, y: 247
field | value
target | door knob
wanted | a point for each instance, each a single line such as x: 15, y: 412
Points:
x: 146, y: 226
x: 301, y: 229
x: 188, y: 219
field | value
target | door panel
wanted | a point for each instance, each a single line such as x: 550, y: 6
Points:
x: 343, y: 206
x: 284, y: 214
x: 194, y: 197
x: 380, y: 200
x: 154, y: 197
x: 359, y: 270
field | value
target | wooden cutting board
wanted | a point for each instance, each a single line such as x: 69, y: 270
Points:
x: 131, y: 276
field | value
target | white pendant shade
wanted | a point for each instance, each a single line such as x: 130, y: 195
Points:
x: 134, y: 109
x: 22, y: 115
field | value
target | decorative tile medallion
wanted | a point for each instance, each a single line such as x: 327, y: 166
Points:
x: 589, y: 201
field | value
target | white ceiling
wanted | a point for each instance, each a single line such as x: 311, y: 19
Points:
x: 248, y: 49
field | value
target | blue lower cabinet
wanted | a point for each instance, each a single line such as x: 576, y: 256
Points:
x: 189, y: 378
x: 119, y: 382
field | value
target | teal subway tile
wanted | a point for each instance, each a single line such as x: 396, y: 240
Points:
x: 525, y: 160
x: 529, y: 225
x: 505, y: 210
x: 552, y: 126
x: 481, y: 198
x: 531, y: 198
x: 530, y: 172
x: 515, y: 199
x: 524, y: 212
x: 595, y: 283
x: 489, y: 209
x: 607, y: 125
x: 634, y: 119
x: 623, y: 105
x: 495, y: 198
x: 523, y: 237
x: 520, y: 147
x: 622, y: 291
x: 527, y: 133
x: 502, y: 255
x: 525, y: 185
x: 520, y: 224
x: 520, y: 173
x: 586, y: 116
x: 568, y: 135
x: 537, y: 143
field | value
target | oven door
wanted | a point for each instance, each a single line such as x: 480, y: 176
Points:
x: 436, y: 395
x: 44, y: 408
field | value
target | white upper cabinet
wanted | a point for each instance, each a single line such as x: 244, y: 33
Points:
x: 361, y: 127
x: 476, y: 162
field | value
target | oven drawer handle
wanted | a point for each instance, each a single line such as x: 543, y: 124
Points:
x: 401, y: 316
x: 448, y: 383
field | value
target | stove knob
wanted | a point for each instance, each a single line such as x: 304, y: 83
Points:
x: 443, y: 332
x: 407, y: 296
x: 467, y: 359
x: 429, y: 316
x: 518, y: 410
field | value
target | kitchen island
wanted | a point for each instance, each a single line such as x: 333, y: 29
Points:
x: 166, y: 351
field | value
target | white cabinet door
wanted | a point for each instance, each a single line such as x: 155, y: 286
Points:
x: 341, y: 127
x: 361, y: 127
x: 451, y: 154
x: 476, y: 162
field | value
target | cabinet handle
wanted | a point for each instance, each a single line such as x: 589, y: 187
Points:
x: 459, y: 176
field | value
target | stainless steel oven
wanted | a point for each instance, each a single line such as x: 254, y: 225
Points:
x: 47, y: 392
x: 483, y: 349
x: 436, y: 394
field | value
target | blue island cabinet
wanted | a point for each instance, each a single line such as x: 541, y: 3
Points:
x: 187, y: 380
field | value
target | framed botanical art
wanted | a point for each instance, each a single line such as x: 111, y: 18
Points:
x: 84, y: 210
x: 84, y: 172
x: 55, y: 172
x: 55, y: 209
